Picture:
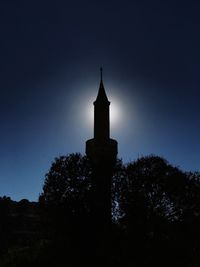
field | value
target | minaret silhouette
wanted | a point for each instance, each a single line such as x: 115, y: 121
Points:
x: 102, y: 152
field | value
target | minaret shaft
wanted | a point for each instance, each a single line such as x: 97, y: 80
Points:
x: 101, y: 122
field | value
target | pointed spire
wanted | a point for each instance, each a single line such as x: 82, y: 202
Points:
x: 101, y: 71
x: 101, y: 97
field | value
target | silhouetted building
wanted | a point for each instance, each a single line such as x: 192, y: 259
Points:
x: 102, y: 152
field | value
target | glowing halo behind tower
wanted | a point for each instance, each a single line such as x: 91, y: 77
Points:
x: 116, y: 112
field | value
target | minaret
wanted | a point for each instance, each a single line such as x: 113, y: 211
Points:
x: 102, y: 152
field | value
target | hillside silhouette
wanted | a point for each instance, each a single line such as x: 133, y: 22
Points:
x: 155, y: 218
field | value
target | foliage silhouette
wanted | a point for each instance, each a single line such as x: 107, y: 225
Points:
x: 151, y: 200
x: 67, y: 183
x: 155, y: 208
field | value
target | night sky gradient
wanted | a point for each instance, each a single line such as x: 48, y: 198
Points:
x: 50, y: 54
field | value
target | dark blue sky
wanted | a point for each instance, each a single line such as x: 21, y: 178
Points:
x: 50, y: 54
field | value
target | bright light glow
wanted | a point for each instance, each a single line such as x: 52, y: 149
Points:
x: 90, y: 111
x: 115, y: 113
x: 85, y: 115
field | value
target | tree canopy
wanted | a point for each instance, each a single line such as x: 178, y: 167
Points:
x: 156, y: 210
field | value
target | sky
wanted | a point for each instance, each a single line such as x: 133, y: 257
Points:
x: 50, y: 55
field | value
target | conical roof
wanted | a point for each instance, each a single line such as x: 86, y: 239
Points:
x: 101, y: 97
x: 101, y: 93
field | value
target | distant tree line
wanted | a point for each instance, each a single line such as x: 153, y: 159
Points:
x: 155, y: 216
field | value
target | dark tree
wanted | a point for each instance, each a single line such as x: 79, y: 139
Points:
x: 159, y: 206
x: 65, y: 206
x: 154, y: 188
x: 67, y: 183
x: 155, y: 209
x: 66, y: 191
